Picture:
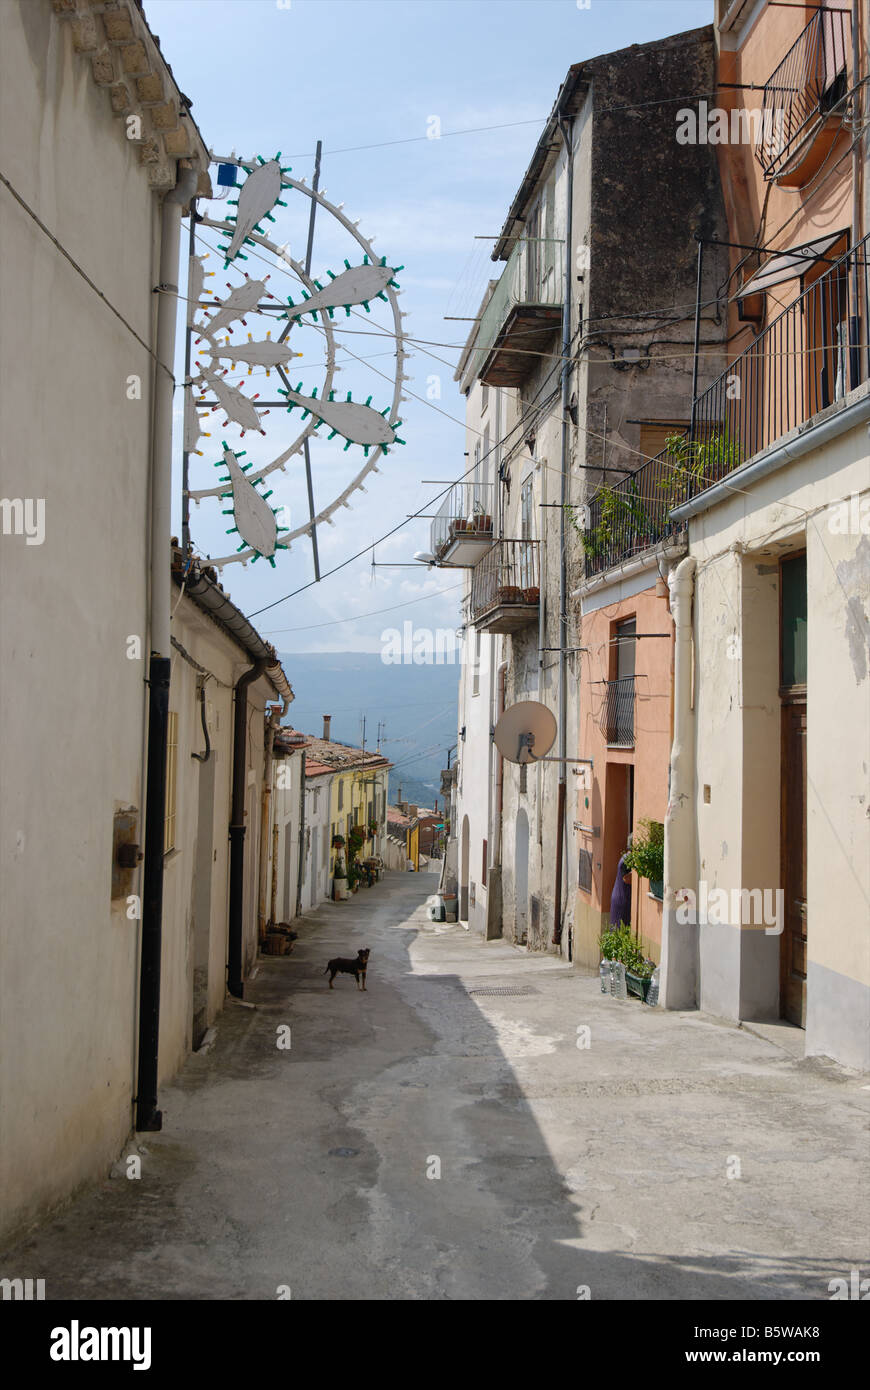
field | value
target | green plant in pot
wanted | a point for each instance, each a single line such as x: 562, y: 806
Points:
x: 696, y: 464
x: 647, y: 854
x: 620, y: 944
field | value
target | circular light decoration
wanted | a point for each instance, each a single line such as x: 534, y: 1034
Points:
x: 326, y: 304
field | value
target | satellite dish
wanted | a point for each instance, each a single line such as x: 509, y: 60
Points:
x: 525, y: 732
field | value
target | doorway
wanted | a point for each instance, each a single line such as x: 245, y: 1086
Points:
x: 618, y: 825
x: 793, y: 788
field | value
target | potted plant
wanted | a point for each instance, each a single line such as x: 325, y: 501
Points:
x: 338, y: 842
x: 509, y: 593
x: 482, y: 522
x: 619, y: 945
x: 373, y: 829
x: 698, y: 464
x: 647, y: 854
x: 532, y: 594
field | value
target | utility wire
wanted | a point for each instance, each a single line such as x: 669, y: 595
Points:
x: 506, y: 125
x: 83, y: 273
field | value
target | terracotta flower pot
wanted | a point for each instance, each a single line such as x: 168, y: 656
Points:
x: 531, y: 595
x: 509, y: 593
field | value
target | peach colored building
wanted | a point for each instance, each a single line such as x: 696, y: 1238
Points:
x: 625, y: 728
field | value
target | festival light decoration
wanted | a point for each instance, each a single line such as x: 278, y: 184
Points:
x: 208, y: 392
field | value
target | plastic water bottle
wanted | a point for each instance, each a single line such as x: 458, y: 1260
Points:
x: 604, y: 975
x: 617, y: 980
x: 652, y: 997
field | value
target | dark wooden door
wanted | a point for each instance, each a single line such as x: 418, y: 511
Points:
x: 793, y: 942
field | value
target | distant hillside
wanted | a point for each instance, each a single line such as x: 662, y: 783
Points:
x: 415, y: 705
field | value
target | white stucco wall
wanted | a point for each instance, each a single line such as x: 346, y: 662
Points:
x: 737, y: 545
x: 74, y: 439
x: 316, y: 883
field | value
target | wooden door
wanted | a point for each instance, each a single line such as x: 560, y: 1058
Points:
x: 793, y: 942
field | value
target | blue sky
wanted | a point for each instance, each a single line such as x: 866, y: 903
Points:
x: 263, y: 77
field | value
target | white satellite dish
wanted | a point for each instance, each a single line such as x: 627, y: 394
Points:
x: 525, y: 732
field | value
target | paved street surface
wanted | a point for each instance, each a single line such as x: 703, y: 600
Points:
x: 560, y: 1166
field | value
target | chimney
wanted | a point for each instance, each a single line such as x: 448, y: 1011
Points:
x: 327, y: 720
x: 399, y: 797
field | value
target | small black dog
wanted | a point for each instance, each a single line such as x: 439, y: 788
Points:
x: 341, y: 965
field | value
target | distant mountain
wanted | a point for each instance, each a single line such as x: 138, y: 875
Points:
x: 416, y: 707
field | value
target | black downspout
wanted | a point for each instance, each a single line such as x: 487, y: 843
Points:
x: 237, y: 829
x: 148, y: 1117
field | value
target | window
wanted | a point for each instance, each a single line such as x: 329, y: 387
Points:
x: 584, y: 874
x: 527, y: 509
x: 340, y: 795
x: 484, y: 397
x: 793, y: 621
x: 171, y: 781
x: 475, y: 670
x: 654, y: 435
x: 483, y: 866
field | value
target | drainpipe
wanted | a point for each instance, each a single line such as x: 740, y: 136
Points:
x: 857, y: 220
x: 299, y: 865
x: 494, y: 900
x: 563, y: 586
x: 265, y: 817
x: 679, y: 963
x: 237, y: 827
x: 148, y: 1117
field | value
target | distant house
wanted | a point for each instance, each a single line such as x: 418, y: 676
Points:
x: 403, y: 838
x: 345, y: 798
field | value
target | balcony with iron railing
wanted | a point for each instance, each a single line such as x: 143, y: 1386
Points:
x: 808, y: 358
x: 521, y: 315
x: 803, y: 105
x: 616, y: 720
x: 505, y: 592
x: 462, y: 530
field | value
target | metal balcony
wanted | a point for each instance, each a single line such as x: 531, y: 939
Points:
x: 523, y: 313
x: 505, y: 592
x: 630, y: 516
x: 810, y: 356
x: 804, y: 98
x: 617, y: 713
x: 461, y: 531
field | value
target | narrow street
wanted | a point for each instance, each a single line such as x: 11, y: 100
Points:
x: 560, y: 1166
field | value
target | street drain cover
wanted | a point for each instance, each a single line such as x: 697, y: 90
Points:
x: 343, y: 1153
x: 505, y: 989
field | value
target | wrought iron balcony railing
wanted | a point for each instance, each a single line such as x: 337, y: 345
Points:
x: 634, y: 513
x: 807, y: 86
x: 505, y: 591
x: 617, y: 713
x: 462, y: 528
x: 810, y: 356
